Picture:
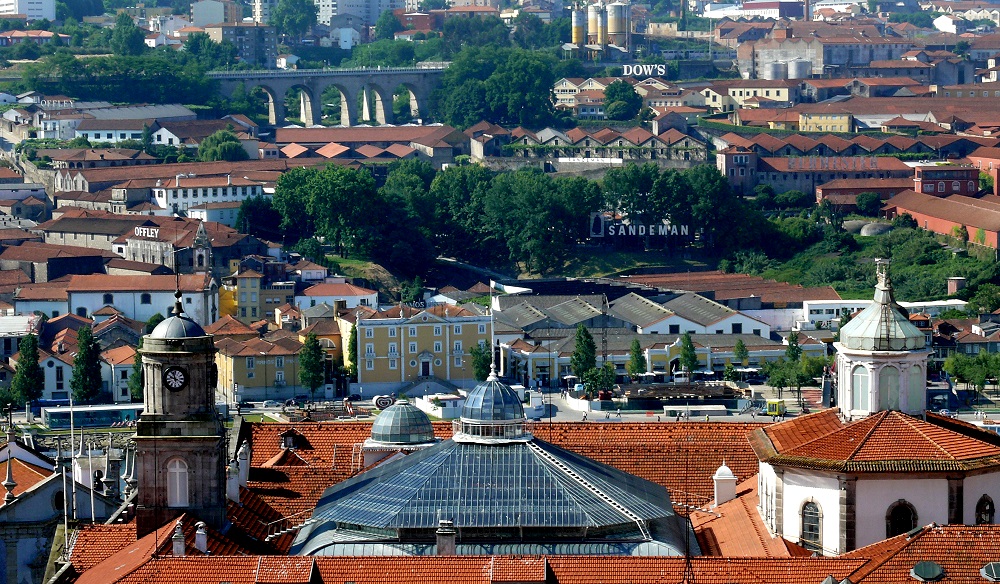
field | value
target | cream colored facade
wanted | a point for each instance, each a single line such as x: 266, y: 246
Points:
x: 826, y: 122
x: 256, y: 301
x: 257, y: 370
x: 393, y: 352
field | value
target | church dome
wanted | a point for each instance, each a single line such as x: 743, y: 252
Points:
x: 883, y: 325
x: 178, y: 326
x: 493, y: 401
x: 402, y: 423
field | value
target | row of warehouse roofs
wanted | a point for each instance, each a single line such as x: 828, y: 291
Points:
x: 800, y: 145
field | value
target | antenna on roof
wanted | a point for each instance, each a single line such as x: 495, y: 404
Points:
x: 493, y: 358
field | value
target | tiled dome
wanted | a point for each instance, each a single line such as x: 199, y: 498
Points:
x: 402, y: 423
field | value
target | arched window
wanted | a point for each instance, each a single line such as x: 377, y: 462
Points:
x: 177, y: 483
x: 900, y: 518
x: 810, y: 536
x: 109, y: 299
x: 985, y: 510
x: 888, y: 389
x: 859, y: 388
x: 201, y: 261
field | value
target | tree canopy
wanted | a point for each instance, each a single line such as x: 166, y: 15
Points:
x: 387, y: 26
x: 29, y: 379
x: 86, y: 382
x: 312, y: 365
x: 222, y: 145
x: 636, y: 360
x: 621, y: 102
x: 293, y: 17
x: 584, y: 357
x: 688, y: 357
x: 126, y: 39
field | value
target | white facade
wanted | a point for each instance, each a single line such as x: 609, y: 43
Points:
x: 870, y: 381
x: 50, y: 308
x: 32, y: 9
x: 735, y: 324
x: 224, y: 214
x: 350, y: 301
x: 140, y: 306
x: 183, y: 192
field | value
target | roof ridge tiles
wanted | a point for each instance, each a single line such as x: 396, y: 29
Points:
x: 871, y: 430
x: 923, y: 434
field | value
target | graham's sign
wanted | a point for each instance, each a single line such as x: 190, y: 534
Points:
x: 600, y: 227
x: 644, y: 70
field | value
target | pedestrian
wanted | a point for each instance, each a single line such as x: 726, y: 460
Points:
x: 657, y: 418
x: 607, y: 415
x: 706, y: 417
x: 584, y: 416
x: 753, y: 414
x: 619, y: 412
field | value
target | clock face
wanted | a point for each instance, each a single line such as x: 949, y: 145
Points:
x: 175, y: 378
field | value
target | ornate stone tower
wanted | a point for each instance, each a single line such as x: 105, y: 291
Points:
x: 202, y: 258
x: 180, y: 449
x: 881, y: 357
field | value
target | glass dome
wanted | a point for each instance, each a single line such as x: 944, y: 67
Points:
x: 883, y: 325
x: 402, y: 423
x: 493, y: 401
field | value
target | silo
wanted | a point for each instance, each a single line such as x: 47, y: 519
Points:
x: 774, y: 71
x: 782, y: 72
x: 617, y: 23
x: 579, y: 32
x: 799, y: 69
x: 593, y: 22
x: 602, y: 25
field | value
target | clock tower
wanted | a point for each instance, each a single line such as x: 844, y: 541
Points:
x: 180, y: 441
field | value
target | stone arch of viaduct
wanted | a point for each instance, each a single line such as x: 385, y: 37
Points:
x: 353, y: 85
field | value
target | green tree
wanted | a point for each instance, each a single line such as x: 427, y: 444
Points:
x: 293, y: 17
x: 621, y: 102
x: 985, y: 300
x: 868, y: 203
x: 352, y: 353
x: 777, y: 373
x: 126, y: 39
x: 387, y: 26
x: 222, y: 145
x: 740, y: 352
x: 481, y: 360
x: 598, y: 379
x: 153, y: 321
x: 985, y: 180
x: 312, y: 365
x: 584, y: 357
x: 29, y: 379
x: 636, y: 360
x: 86, y: 382
x: 688, y: 357
x: 792, y: 350
x: 257, y: 217
x: 135, y: 379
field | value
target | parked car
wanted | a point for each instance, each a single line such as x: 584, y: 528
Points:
x: 354, y: 397
x: 271, y: 403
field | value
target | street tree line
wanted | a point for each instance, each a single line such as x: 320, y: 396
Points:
x: 525, y: 219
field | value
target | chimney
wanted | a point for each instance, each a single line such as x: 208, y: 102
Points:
x: 229, y: 180
x: 201, y: 537
x: 725, y: 485
x: 243, y: 461
x: 177, y: 180
x: 446, y: 538
x: 955, y: 284
x: 178, y: 541
x: 233, y: 482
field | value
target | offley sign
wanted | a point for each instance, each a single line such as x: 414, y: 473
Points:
x: 601, y: 228
x: 644, y: 70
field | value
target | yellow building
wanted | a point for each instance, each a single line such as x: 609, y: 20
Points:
x: 826, y: 122
x: 258, y: 370
x: 407, y: 345
x: 256, y: 300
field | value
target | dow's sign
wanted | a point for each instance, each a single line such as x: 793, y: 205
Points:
x: 644, y: 70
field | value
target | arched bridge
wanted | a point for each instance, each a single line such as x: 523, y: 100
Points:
x: 366, y: 93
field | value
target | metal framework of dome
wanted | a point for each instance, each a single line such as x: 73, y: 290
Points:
x: 493, y: 413
x: 402, y: 423
x: 883, y: 325
x: 505, y: 492
x: 178, y: 326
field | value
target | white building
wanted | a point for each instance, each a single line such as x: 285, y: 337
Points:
x: 184, y: 191
x: 140, y: 297
x: 832, y: 485
x: 32, y: 9
x: 224, y: 212
x: 687, y: 313
x: 337, y: 293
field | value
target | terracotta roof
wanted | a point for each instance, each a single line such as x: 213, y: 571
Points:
x: 822, y: 441
x: 104, y: 282
x: 42, y: 291
x: 94, y: 543
x: 961, y: 550
x: 228, y: 325
x: 735, y: 529
x: 120, y: 356
x: 26, y: 475
x: 731, y: 286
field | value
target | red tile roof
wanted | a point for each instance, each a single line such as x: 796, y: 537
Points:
x: 822, y: 441
x: 94, y: 543
x: 335, y: 289
x: 735, y: 529
x: 25, y: 474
